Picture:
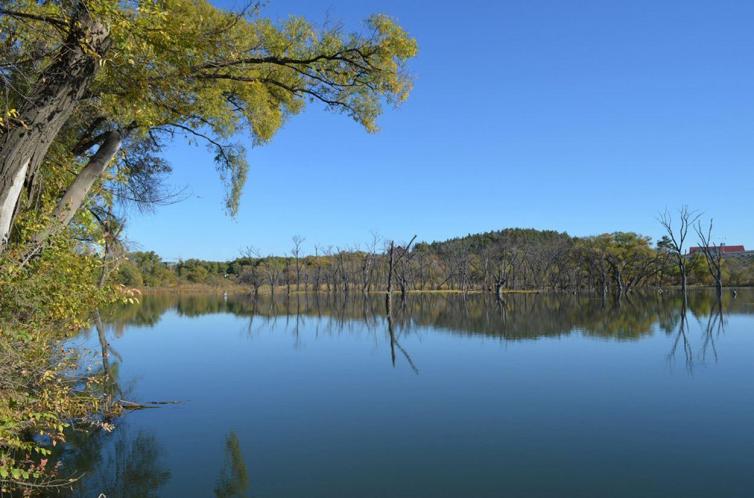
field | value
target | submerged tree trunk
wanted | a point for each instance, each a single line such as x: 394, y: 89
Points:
x: 389, y: 289
x: 684, y: 281
x: 499, y: 283
x: 52, y: 100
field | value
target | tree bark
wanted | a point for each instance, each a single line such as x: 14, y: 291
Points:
x: 74, y: 197
x: 54, y: 97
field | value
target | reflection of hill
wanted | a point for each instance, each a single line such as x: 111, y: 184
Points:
x: 520, y: 316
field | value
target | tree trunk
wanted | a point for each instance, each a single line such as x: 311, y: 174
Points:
x: 389, y: 290
x: 621, y: 286
x: 74, y: 197
x: 54, y: 97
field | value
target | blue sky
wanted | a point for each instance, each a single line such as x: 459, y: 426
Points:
x: 577, y: 116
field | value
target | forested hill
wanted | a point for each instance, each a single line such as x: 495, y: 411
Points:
x: 497, y: 240
x: 509, y: 259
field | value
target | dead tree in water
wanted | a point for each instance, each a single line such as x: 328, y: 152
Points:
x: 677, y: 240
x: 367, y: 265
x: 500, y: 280
x: 272, y: 269
x: 111, y: 385
x: 331, y: 275
x: 287, y: 276
x: 403, y: 268
x: 505, y: 263
x: 713, y: 254
x: 342, y: 270
x: 250, y: 275
x: 389, y: 289
x: 393, y: 263
x: 296, y: 252
x: 317, y: 270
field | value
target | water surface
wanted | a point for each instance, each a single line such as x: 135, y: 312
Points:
x: 539, y: 396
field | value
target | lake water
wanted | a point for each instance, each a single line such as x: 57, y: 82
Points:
x: 539, y: 396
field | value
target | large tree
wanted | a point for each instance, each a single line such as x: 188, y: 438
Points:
x: 175, y: 67
x: 33, y: 114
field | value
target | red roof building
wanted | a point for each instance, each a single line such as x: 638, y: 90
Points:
x: 723, y: 249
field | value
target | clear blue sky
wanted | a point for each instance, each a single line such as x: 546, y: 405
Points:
x: 579, y: 116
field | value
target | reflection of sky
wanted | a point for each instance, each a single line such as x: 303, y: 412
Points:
x: 324, y: 413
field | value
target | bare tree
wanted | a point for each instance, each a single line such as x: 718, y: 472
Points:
x: 500, y: 277
x: 272, y: 269
x: 403, y: 268
x: 296, y: 252
x: 367, y: 264
x: 678, y: 236
x: 393, y: 262
x: 342, y: 269
x: 287, y: 276
x: 713, y: 254
x: 389, y: 289
x: 250, y: 275
x: 331, y: 270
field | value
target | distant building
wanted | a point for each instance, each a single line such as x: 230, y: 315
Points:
x: 726, y: 250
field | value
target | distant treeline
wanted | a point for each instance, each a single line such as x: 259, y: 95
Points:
x: 498, y: 261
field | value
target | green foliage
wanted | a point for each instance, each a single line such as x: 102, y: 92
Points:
x: 41, y: 303
x: 172, y: 67
x: 197, y: 275
x: 521, y: 259
x: 128, y: 274
x: 185, y: 66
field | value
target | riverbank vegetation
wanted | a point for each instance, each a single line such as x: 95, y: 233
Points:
x: 500, y: 261
x: 91, y: 93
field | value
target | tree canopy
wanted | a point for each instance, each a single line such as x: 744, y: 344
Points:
x: 186, y: 67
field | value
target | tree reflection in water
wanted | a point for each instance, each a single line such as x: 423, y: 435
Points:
x: 115, y: 465
x: 711, y: 318
x: 511, y: 317
x: 234, y: 477
x: 516, y: 316
x: 122, y: 466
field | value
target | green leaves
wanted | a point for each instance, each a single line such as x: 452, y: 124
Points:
x: 233, y: 168
x: 187, y: 66
x: 231, y: 74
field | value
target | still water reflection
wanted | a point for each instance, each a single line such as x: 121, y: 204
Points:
x: 313, y: 396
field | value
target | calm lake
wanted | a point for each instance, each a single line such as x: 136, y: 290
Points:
x: 539, y: 396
